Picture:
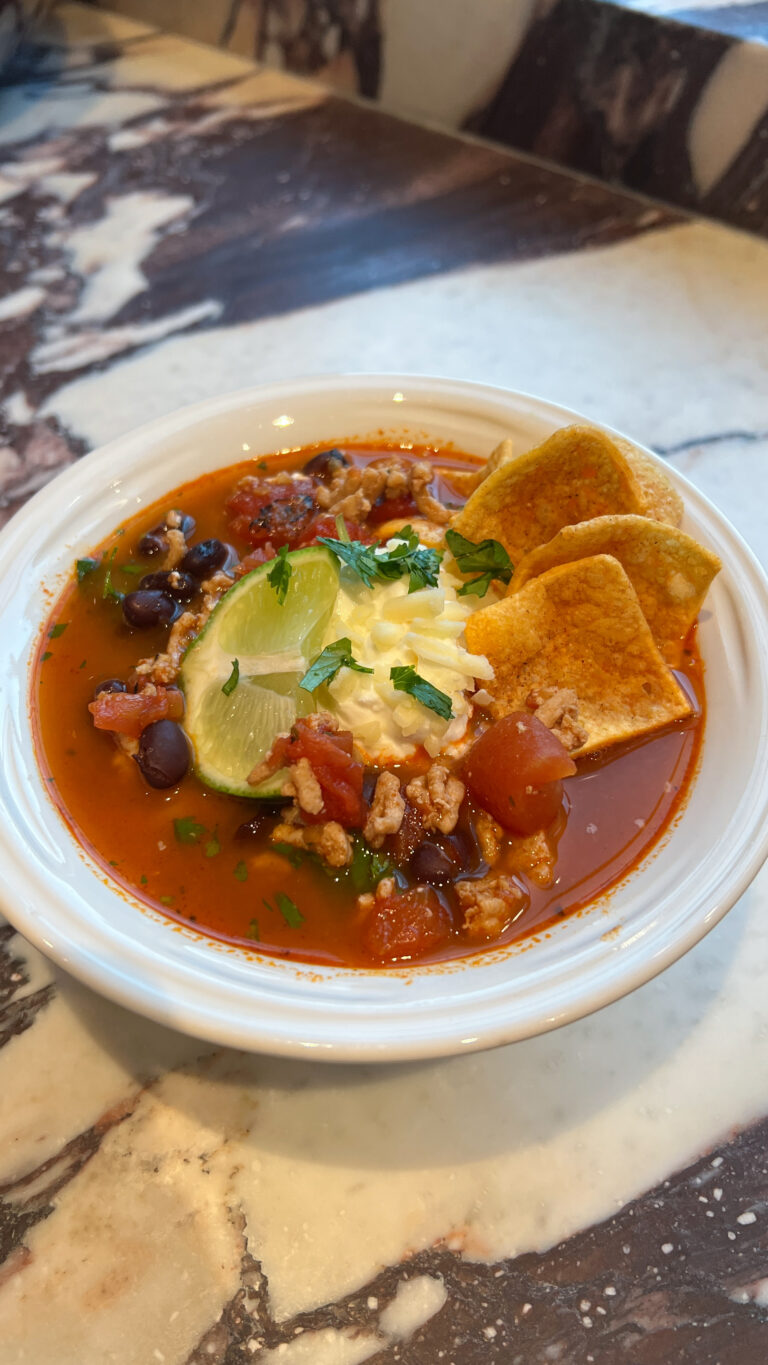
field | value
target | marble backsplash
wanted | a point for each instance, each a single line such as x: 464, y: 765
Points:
x: 651, y: 95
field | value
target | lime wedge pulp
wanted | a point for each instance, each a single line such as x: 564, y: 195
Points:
x: 274, y: 645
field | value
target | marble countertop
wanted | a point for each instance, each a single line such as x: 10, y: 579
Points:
x: 175, y: 223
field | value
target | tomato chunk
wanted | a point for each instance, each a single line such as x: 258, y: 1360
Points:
x: 514, y: 771
x: 387, y: 509
x: 400, y: 928
x: 129, y: 713
x: 329, y: 754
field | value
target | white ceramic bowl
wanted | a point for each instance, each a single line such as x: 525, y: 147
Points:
x: 54, y: 893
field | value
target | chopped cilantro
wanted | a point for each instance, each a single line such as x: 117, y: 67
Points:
x: 47, y: 655
x: 288, y: 909
x: 372, y: 562
x: 294, y: 855
x: 328, y: 662
x: 188, y: 830
x: 486, y: 558
x: 241, y: 872
x: 233, y: 679
x: 279, y: 575
x: 213, y: 846
x: 368, y: 866
x: 405, y: 679
x: 56, y: 631
x: 85, y: 566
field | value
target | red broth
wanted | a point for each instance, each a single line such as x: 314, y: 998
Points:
x: 227, y: 883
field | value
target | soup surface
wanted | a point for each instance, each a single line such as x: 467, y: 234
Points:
x: 422, y: 870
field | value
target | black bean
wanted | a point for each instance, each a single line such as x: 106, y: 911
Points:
x: 432, y: 864
x: 149, y: 608
x: 153, y: 543
x: 181, y: 586
x: 186, y: 525
x: 109, y: 685
x: 205, y: 559
x: 325, y: 464
x: 163, y: 753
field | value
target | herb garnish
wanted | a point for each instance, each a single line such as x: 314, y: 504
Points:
x: 229, y: 686
x: 188, y: 830
x: 57, y: 630
x: 487, y: 558
x: 109, y: 590
x: 368, y: 866
x: 241, y: 872
x: 288, y: 909
x: 405, y: 679
x: 328, y: 662
x: 406, y: 557
x: 279, y: 575
x: 85, y: 566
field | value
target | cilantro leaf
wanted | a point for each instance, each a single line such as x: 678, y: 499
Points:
x: 241, y: 872
x: 487, y: 558
x: 85, y: 566
x: 229, y: 686
x: 57, y: 630
x: 368, y: 866
x: 405, y: 679
x: 328, y: 662
x: 288, y: 909
x: 406, y: 557
x: 358, y: 557
x: 279, y: 575
x: 188, y: 830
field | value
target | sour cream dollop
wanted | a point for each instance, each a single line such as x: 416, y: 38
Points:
x: 389, y: 626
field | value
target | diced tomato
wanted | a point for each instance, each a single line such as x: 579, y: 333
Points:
x: 514, y: 771
x: 329, y: 754
x: 260, y: 511
x: 128, y: 713
x: 407, y: 926
x: 386, y: 509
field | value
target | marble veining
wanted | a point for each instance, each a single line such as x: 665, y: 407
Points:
x: 597, y: 1194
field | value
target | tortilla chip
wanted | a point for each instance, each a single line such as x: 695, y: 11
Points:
x: 580, y: 626
x: 669, y: 570
x: 576, y: 475
x: 661, y: 500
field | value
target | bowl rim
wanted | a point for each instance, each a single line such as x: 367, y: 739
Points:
x: 138, y: 986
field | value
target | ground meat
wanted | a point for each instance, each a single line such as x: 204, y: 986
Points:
x: 437, y: 796
x: 329, y: 841
x: 387, y: 810
x: 489, y: 905
x: 422, y: 475
x: 558, y: 709
x: 384, y: 889
x: 304, y: 786
x: 177, y: 547
x: 534, y: 857
x: 490, y: 836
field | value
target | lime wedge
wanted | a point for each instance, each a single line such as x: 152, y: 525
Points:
x: 274, y: 644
